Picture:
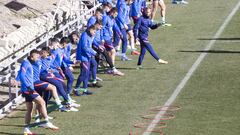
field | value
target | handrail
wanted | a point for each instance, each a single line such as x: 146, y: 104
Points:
x: 34, y: 44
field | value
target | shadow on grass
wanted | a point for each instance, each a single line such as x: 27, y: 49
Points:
x: 6, y: 133
x: 14, y: 117
x: 218, y: 39
x: 211, y: 51
x: 135, y: 68
x: 11, y: 125
x: 51, y: 107
x: 22, y: 110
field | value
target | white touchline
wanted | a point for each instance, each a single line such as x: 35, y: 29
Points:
x: 183, y: 82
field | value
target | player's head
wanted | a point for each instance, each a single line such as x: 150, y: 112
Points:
x: 64, y: 41
x: 129, y: 2
x: 74, y: 37
x: 107, y: 6
x: 99, y: 13
x: 91, y: 30
x: 147, y: 12
x: 54, y: 43
x: 98, y: 25
x: 113, y: 12
x: 45, y: 52
x: 34, y: 55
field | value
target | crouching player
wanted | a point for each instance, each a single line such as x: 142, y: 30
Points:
x: 52, y: 76
x: 45, y: 88
x: 141, y: 30
x: 30, y: 95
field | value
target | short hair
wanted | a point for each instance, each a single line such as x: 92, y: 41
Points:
x: 34, y: 51
x: 92, y: 27
x: 113, y: 10
x: 53, y: 41
x: 107, y: 4
x: 146, y: 8
x: 47, y: 49
x: 64, y: 40
x: 99, y: 22
x: 100, y: 10
x: 70, y: 37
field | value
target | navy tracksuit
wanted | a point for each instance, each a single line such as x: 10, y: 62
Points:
x: 141, y: 30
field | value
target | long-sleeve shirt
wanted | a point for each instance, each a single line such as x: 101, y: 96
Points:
x: 67, y: 55
x: 106, y: 1
x: 136, y: 7
x: 98, y: 38
x: 91, y: 21
x: 123, y: 15
x: 46, y: 65
x: 84, y: 48
x: 25, y: 75
x: 110, y: 25
x: 57, y: 55
x: 36, y: 70
x: 142, y: 26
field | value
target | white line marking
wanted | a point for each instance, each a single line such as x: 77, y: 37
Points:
x: 191, y: 71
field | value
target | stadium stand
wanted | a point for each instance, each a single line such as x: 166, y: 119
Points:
x: 69, y: 16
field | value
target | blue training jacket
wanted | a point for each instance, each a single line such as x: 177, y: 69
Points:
x: 91, y: 21
x: 25, y: 75
x: 84, y: 47
x: 98, y: 38
x: 142, y: 26
x: 46, y: 65
x: 123, y: 15
x: 136, y: 7
x: 110, y: 25
x: 67, y: 55
x: 36, y: 70
x: 57, y: 55
x: 106, y: 1
x: 119, y: 2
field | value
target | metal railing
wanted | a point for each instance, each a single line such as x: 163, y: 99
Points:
x: 72, y: 24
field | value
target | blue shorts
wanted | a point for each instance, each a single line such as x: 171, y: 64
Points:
x: 30, y: 96
x: 40, y: 86
x: 108, y: 45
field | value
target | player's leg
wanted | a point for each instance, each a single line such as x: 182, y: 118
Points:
x: 154, y: 8
x: 142, y: 53
x: 124, y: 45
x: 149, y: 47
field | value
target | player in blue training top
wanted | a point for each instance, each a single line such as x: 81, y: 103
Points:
x: 96, y: 17
x: 84, y: 54
x: 52, y: 76
x: 66, y: 48
x: 123, y: 21
x: 101, y: 50
x: 141, y: 30
x: 109, y: 25
x: 25, y: 75
x: 45, y: 88
x: 136, y: 9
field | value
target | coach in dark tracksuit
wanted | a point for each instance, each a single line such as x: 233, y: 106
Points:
x: 141, y: 30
